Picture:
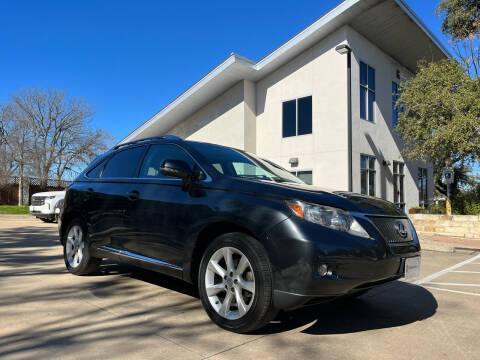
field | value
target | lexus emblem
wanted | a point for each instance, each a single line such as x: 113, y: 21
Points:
x: 401, y: 231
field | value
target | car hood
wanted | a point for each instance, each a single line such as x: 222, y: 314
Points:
x: 50, y: 193
x: 345, y: 200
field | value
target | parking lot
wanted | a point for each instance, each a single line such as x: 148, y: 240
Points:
x: 123, y: 312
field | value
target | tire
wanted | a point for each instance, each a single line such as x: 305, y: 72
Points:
x: 80, y: 263
x: 249, y: 292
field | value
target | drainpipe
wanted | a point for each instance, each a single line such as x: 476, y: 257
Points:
x: 345, y: 49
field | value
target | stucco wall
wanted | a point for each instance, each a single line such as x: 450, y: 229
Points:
x: 249, y: 116
x: 378, y: 138
x: 220, y: 122
x: 322, y: 73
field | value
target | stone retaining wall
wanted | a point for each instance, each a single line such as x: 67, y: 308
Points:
x: 465, y: 226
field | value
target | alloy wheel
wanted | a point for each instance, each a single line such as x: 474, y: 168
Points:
x: 230, y: 283
x: 74, y: 246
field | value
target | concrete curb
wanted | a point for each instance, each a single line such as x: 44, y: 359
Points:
x: 428, y: 244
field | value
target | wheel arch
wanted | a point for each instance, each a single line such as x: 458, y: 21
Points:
x: 203, y: 239
x: 65, y: 221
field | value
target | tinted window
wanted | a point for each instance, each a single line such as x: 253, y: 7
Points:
x: 241, y: 164
x: 124, y: 164
x: 363, y: 73
x: 371, y: 78
x: 306, y: 176
x: 96, y: 171
x: 367, y: 92
x: 157, y: 154
x: 305, y: 115
x: 297, y: 117
x: 367, y: 175
x: 289, y: 118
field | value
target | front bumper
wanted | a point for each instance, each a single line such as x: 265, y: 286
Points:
x: 298, y: 248
x: 44, y: 211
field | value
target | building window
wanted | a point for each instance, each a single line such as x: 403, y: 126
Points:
x: 367, y: 175
x: 422, y: 187
x: 304, y: 175
x: 367, y: 92
x: 398, y: 187
x: 396, y: 110
x: 297, y: 117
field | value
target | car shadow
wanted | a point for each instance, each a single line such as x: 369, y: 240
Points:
x: 394, y: 304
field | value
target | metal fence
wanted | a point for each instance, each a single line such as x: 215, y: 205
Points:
x: 9, y: 191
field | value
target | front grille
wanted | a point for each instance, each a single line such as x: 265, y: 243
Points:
x: 388, y: 228
x: 38, y: 200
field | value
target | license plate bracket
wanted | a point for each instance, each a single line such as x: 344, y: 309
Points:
x: 412, y: 267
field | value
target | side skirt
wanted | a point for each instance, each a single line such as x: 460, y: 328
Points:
x: 138, y: 260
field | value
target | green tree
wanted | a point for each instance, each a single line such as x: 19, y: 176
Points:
x: 441, y: 118
x: 461, y: 25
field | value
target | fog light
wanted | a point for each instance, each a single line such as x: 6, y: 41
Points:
x: 323, y: 270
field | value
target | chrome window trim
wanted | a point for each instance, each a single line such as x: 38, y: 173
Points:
x: 140, y: 257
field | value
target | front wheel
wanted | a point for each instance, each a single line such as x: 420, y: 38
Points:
x: 76, y: 253
x: 235, y: 283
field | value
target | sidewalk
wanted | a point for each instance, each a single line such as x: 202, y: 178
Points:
x: 448, y: 243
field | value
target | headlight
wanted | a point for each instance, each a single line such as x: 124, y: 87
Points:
x: 330, y: 217
x: 51, y: 197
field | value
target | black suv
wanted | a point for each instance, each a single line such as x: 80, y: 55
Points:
x: 255, y: 238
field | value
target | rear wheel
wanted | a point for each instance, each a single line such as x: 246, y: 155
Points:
x: 235, y: 283
x: 76, y: 253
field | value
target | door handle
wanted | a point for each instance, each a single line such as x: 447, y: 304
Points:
x: 89, y: 191
x: 133, y: 195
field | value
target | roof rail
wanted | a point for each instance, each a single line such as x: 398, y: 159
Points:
x: 161, y: 137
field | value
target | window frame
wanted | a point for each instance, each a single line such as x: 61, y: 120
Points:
x: 401, y: 177
x: 295, y: 172
x: 109, y: 158
x: 101, y: 165
x: 424, y: 177
x: 396, y: 110
x: 296, y: 116
x: 367, y: 89
x: 368, y: 172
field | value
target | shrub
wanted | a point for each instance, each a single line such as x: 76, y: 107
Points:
x: 438, y: 208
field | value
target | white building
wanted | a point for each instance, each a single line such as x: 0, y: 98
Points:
x: 292, y: 106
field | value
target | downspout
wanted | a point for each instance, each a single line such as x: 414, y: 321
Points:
x: 349, y: 115
x: 345, y: 49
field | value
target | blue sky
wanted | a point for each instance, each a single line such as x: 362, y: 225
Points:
x: 131, y: 58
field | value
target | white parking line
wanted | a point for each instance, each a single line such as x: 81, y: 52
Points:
x: 449, y: 284
x: 444, y: 271
x: 465, y: 272
x: 453, y: 291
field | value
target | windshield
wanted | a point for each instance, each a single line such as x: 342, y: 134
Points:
x: 237, y: 163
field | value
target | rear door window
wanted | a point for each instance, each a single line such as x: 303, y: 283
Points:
x: 124, y: 164
x: 96, y: 171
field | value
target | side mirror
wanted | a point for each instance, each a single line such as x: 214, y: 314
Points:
x: 176, y: 168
